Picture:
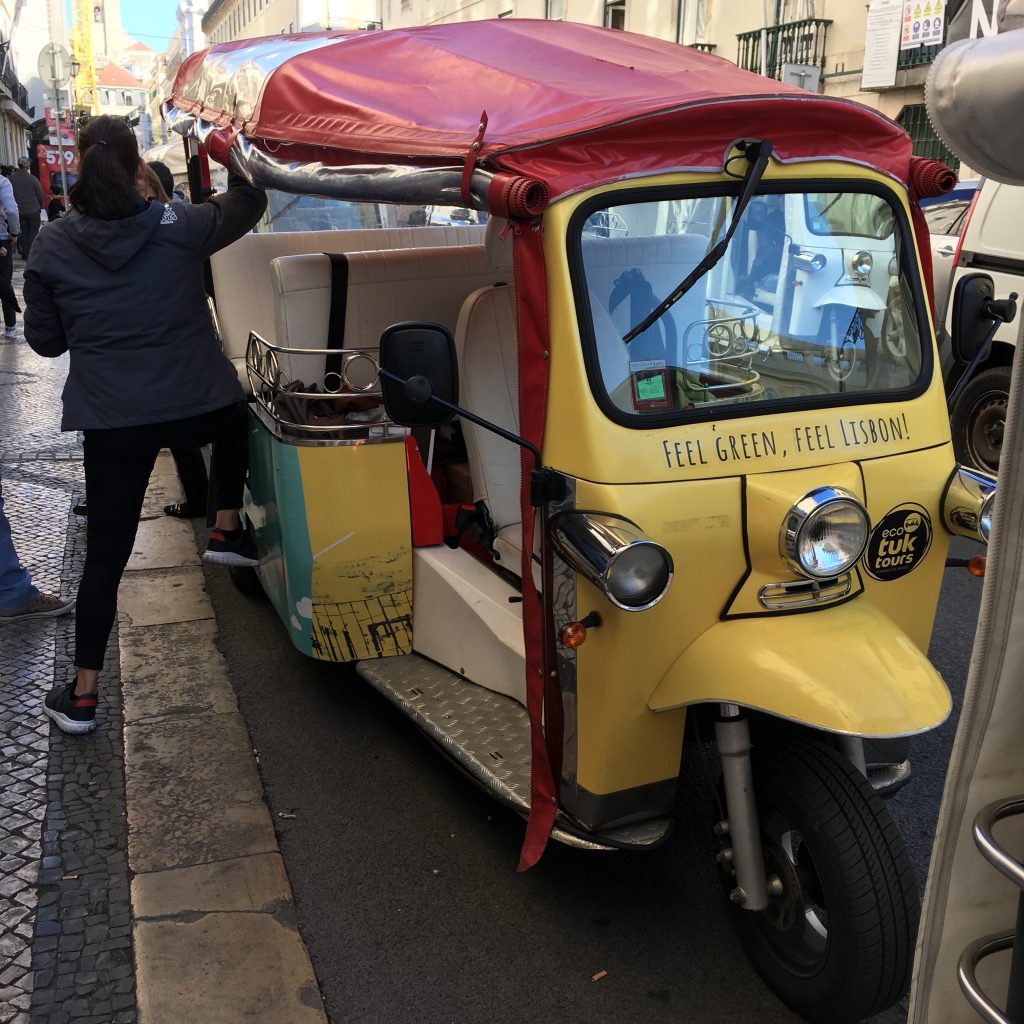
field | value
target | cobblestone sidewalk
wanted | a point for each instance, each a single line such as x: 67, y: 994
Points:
x: 65, y: 913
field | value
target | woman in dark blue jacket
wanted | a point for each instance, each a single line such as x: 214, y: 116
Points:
x: 118, y: 283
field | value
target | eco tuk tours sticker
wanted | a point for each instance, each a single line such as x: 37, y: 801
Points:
x: 898, y: 543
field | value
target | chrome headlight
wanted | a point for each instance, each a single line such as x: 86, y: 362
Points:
x: 811, y: 262
x: 615, y: 555
x: 862, y: 263
x: 969, y: 502
x: 824, y: 533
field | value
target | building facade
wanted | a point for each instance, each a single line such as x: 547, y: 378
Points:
x: 247, y: 19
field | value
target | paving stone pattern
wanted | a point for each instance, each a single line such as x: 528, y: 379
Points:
x: 65, y: 912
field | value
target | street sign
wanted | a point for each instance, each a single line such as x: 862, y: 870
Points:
x: 54, y: 65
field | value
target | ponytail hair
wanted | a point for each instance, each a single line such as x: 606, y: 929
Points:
x: 108, y: 165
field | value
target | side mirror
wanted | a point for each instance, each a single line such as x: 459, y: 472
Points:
x: 971, y: 321
x: 418, y: 372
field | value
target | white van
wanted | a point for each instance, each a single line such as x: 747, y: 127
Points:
x: 992, y: 242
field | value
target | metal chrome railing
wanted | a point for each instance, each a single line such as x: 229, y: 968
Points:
x: 967, y: 968
x: 355, y: 376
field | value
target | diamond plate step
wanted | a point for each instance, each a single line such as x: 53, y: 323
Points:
x: 488, y: 735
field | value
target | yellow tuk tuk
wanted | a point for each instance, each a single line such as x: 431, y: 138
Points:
x: 661, y: 458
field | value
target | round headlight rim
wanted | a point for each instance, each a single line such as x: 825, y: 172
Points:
x: 862, y: 262
x: 985, y: 515
x: 820, y: 499
x: 639, y: 542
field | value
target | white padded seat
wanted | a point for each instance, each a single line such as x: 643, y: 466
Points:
x: 489, y: 379
x: 242, y: 274
x: 664, y: 260
x: 384, y: 288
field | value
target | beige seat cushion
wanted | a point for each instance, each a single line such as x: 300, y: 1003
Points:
x: 384, y: 288
x: 242, y: 274
x: 664, y: 260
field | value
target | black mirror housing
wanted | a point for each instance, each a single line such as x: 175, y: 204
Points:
x: 971, y: 320
x: 422, y: 358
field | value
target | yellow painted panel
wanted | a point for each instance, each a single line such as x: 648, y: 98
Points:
x: 357, y: 511
x: 620, y: 743
x: 917, y: 479
x: 769, y: 497
x: 581, y: 441
x: 846, y: 669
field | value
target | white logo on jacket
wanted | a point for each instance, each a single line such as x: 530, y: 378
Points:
x: 169, y: 217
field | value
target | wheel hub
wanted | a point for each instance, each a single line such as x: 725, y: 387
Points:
x: 986, y: 429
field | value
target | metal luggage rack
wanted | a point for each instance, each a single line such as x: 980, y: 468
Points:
x: 724, y: 354
x: 720, y: 360
x: 967, y: 968
x: 269, y: 385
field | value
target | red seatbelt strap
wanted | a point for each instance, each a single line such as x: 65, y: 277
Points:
x: 532, y: 339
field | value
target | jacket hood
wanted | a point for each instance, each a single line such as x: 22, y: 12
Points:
x: 113, y: 243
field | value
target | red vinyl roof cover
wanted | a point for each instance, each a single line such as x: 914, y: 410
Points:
x: 570, y: 104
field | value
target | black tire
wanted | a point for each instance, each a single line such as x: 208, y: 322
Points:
x: 979, y: 419
x: 247, y: 581
x: 837, y: 945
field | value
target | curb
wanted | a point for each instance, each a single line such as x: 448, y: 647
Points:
x: 215, y: 932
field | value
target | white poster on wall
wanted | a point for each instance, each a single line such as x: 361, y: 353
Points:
x: 882, y: 43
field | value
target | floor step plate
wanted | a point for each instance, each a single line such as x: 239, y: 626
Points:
x: 488, y: 735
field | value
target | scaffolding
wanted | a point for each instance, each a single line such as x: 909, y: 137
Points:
x: 86, y: 87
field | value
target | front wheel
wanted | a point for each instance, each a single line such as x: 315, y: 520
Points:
x: 978, y: 421
x: 837, y: 940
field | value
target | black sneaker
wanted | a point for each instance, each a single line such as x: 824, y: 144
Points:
x: 68, y: 712
x: 233, y: 547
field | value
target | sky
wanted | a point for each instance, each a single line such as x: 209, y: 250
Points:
x: 149, y: 21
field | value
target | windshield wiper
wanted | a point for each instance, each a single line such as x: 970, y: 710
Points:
x: 757, y: 153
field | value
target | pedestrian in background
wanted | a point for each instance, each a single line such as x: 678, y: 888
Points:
x: 55, y: 208
x: 188, y: 462
x: 10, y: 227
x: 19, y: 599
x: 163, y: 172
x: 118, y: 283
x: 28, y: 194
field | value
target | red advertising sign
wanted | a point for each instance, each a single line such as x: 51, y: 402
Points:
x: 49, y: 164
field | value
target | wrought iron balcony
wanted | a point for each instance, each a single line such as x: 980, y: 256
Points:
x: 918, y: 56
x: 795, y: 42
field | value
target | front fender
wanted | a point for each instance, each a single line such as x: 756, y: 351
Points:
x: 848, y: 669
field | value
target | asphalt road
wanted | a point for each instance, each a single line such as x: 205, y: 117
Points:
x: 404, y: 873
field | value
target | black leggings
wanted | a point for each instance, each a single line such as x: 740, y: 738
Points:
x: 8, y: 299
x: 118, y: 464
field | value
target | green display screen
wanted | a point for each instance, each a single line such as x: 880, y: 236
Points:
x: 650, y: 389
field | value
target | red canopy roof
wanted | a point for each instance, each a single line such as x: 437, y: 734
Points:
x: 571, y: 104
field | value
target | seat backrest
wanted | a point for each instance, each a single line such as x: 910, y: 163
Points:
x: 242, y: 276
x: 485, y: 340
x: 663, y: 261
x: 384, y: 288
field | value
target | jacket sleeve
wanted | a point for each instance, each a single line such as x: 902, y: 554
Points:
x: 225, y: 218
x: 10, y: 206
x: 38, y: 189
x: 44, y: 330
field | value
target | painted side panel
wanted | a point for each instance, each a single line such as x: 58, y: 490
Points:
x: 275, y: 506
x: 332, y: 527
x: 357, y: 510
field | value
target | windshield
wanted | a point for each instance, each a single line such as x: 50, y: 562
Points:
x: 809, y: 301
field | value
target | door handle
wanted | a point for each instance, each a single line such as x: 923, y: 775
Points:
x: 946, y: 250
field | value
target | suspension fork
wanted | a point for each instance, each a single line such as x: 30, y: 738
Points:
x: 732, y: 734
